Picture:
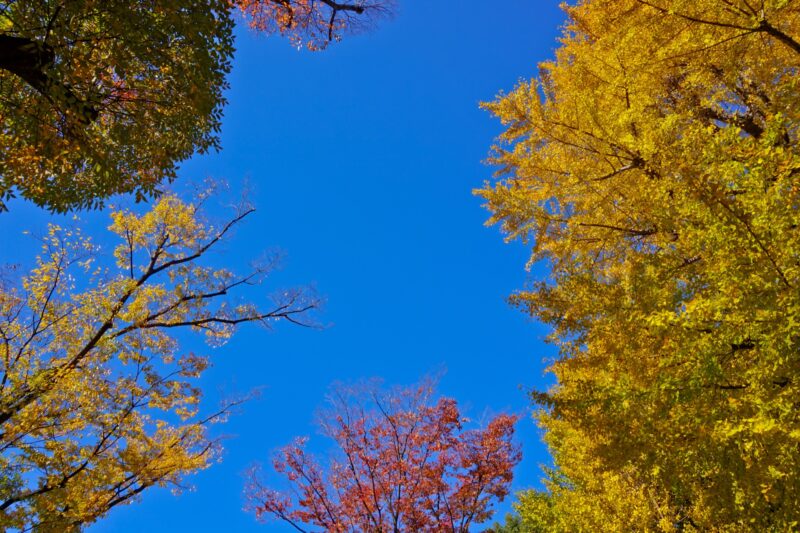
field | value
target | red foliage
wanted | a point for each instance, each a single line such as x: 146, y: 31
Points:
x: 313, y: 23
x: 404, y: 463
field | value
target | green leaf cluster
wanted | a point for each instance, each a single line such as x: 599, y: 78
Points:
x: 99, y: 97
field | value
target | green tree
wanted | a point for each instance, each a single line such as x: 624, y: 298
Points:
x: 654, y: 166
x: 511, y: 524
x: 105, y: 97
x: 97, y: 400
x: 99, y: 97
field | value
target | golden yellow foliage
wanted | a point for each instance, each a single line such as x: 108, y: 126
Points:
x: 584, y: 496
x: 654, y: 165
x: 97, y: 401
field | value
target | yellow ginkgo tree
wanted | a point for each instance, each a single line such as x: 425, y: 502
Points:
x: 654, y: 166
x: 97, y: 400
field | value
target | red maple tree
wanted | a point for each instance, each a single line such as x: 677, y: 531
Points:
x: 404, y: 463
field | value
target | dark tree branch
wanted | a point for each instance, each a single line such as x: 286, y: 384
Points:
x: 763, y: 26
x: 32, y: 61
x: 629, y: 231
x: 336, y: 6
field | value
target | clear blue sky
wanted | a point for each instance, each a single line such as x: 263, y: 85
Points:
x: 361, y: 162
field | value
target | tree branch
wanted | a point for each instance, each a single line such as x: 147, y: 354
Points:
x: 32, y: 61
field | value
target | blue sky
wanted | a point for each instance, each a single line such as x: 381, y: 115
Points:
x: 361, y: 161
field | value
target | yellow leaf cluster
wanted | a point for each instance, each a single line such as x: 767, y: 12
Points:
x: 97, y: 400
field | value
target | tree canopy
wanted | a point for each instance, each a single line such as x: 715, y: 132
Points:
x: 103, y: 97
x: 403, y: 463
x: 97, y: 400
x: 653, y: 165
x: 313, y: 23
x: 99, y: 97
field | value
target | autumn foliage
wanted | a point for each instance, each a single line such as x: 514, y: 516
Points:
x: 97, y: 400
x: 404, y: 462
x: 313, y: 23
x: 653, y: 165
x: 100, y: 98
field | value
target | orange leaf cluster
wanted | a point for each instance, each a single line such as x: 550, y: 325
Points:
x: 312, y: 23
